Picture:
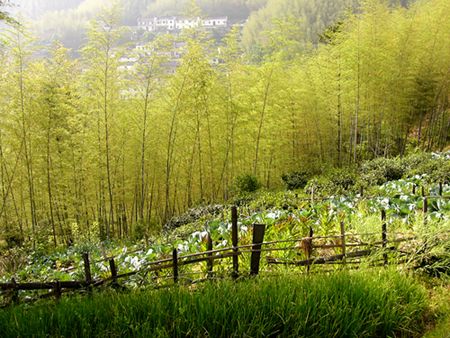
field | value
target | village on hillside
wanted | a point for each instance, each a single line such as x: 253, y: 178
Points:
x: 149, y: 28
x: 174, y: 23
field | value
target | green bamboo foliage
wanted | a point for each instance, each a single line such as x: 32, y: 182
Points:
x: 88, y: 149
x: 102, y: 78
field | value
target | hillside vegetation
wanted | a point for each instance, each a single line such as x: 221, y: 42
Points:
x: 372, y: 302
x: 87, y: 146
x: 328, y: 201
x: 134, y: 181
x: 68, y: 20
x: 312, y: 16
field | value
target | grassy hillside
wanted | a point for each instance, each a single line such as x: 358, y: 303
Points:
x: 340, y: 305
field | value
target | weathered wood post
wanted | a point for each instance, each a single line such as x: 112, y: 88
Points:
x: 309, y: 249
x: 234, y: 240
x: 209, y: 262
x: 361, y: 191
x: 423, y: 191
x: 258, y: 238
x: 425, y: 210
x: 175, y: 265
x: 384, y: 235
x: 112, y: 267
x: 343, y: 241
x: 414, y: 189
x: 87, y: 269
x: 440, y: 189
x: 58, y: 290
x: 14, y: 292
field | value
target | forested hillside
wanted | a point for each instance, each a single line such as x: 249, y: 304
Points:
x: 68, y: 20
x: 312, y: 17
x: 235, y: 9
x: 86, y: 146
x: 132, y: 9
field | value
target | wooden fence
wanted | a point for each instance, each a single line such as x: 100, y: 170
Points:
x: 306, y: 247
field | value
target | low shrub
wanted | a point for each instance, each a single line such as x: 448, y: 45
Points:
x: 335, y: 182
x: 414, y: 161
x: 247, y: 183
x: 433, y: 170
x: 382, y: 170
x: 342, y: 180
x: 193, y: 215
x: 296, y: 179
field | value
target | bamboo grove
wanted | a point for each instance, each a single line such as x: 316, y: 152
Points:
x: 88, y: 149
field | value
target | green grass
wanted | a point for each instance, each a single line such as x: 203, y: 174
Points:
x: 440, y: 302
x: 370, y: 304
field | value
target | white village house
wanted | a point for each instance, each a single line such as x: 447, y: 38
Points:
x: 178, y: 23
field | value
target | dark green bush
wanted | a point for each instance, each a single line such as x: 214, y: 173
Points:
x: 381, y: 170
x: 414, y: 161
x: 342, y: 180
x: 336, y: 181
x: 442, y: 175
x: 296, y: 179
x: 247, y: 183
x: 193, y: 215
x: 436, y: 170
x: 427, y: 167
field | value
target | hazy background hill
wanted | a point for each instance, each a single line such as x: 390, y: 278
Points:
x: 66, y: 20
x: 39, y: 9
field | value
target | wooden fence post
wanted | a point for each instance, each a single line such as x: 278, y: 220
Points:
x: 414, y: 189
x: 112, y: 267
x: 14, y: 292
x: 440, y: 189
x: 343, y: 240
x: 209, y: 263
x: 384, y: 235
x: 234, y: 239
x: 258, y: 238
x: 87, y: 269
x: 425, y: 210
x: 58, y: 290
x: 423, y: 191
x: 175, y: 265
x: 309, y: 249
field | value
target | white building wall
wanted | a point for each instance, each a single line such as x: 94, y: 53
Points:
x: 172, y: 23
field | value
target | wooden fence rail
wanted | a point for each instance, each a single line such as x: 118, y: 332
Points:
x: 304, y: 246
x: 425, y: 197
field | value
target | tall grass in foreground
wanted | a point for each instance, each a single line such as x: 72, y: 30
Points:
x: 369, y: 304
